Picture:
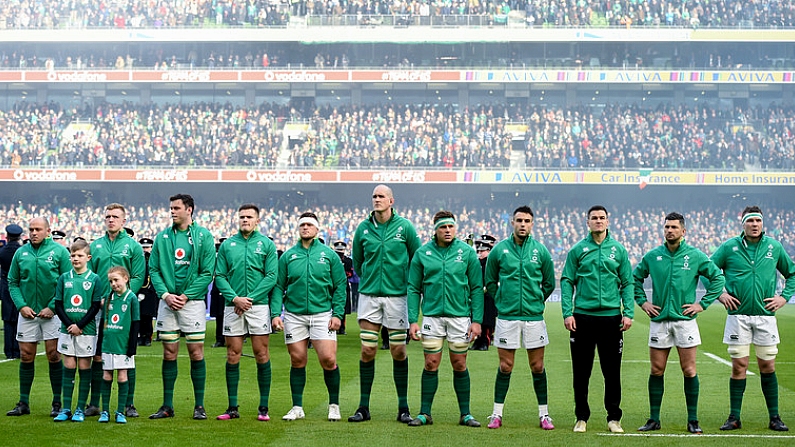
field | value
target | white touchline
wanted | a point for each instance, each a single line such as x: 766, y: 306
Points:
x: 681, y: 435
x: 724, y: 361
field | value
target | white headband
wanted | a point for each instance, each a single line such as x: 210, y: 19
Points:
x: 309, y: 220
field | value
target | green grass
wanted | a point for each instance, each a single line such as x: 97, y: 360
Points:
x: 521, y: 423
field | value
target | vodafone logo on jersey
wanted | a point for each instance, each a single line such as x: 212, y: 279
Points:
x: 179, y: 253
x: 76, y: 300
x: 179, y: 257
x: 114, y: 319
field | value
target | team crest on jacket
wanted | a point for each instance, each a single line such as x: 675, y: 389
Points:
x: 686, y: 264
x: 87, y: 285
x: 76, y: 300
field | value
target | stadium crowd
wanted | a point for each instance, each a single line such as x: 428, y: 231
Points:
x: 396, y: 135
x: 558, y: 227
x: 191, y: 13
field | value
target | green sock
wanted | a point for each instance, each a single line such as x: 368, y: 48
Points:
x: 332, y: 379
x: 131, y: 386
x: 656, y: 390
x: 169, y: 372
x: 68, y: 387
x: 96, y: 382
x: 83, y: 388
x: 56, y: 380
x: 124, y: 389
x: 540, y: 387
x: 400, y: 373
x: 736, y: 391
x: 430, y: 382
x: 366, y: 377
x: 27, y: 371
x: 462, y: 390
x: 106, y: 385
x: 501, y: 385
x: 232, y: 380
x: 297, y: 384
x: 264, y: 382
x: 691, y: 397
x: 198, y: 375
x: 770, y: 391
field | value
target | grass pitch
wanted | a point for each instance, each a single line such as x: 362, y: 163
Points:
x: 520, y: 420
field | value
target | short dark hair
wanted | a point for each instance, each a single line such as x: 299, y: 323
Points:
x: 752, y: 209
x: 186, y: 199
x: 524, y: 209
x: 309, y: 214
x: 78, y: 245
x: 596, y: 208
x: 249, y: 206
x: 676, y: 216
x: 442, y: 215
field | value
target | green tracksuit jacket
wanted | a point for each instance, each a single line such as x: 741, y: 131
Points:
x: 34, y: 274
x: 450, y: 281
x: 202, y: 263
x: 602, y: 277
x: 751, y: 280
x: 520, y: 278
x: 246, y: 267
x: 674, y: 279
x: 310, y: 281
x: 124, y: 251
x: 382, y: 253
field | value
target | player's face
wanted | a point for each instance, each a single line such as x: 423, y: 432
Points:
x: 307, y: 231
x: 248, y: 221
x: 382, y: 199
x: 180, y: 214
x: 522, y: 224
x: 674, y: 231
x: 597, y: 221
x: 445, y: 234
x: 118, y: 282
x: 38, y: 230
x: 79, y: 259
x: 114, y: 220
x: 753, y: 227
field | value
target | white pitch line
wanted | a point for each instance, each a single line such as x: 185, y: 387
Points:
x: 690, y: 435
x: 12, y: 360
x: 724, y: 361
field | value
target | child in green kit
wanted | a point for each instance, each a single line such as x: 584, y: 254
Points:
x: 119, y: 340
x: 77, y: 300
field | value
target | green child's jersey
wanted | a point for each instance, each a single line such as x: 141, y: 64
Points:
x: 77, y: 292
x: 120, y: 313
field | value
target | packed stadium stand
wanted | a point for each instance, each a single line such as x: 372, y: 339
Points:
x: 307, y: 104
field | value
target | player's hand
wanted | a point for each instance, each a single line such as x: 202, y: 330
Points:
x: 728, y: 301
x: 626, y: 323
x: 242, y: 304
x: 692, y: 309
x: 46, y: 313
x: 650, y: 309
x: 474, y: 331
x: 775, y: 303
x: 27, y: 312
x: 73, y: 329
x: 277, y: 324
x: 334, y: 324
x: 174, y: 302
x: 570, y: 324
x: 414, y: 331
